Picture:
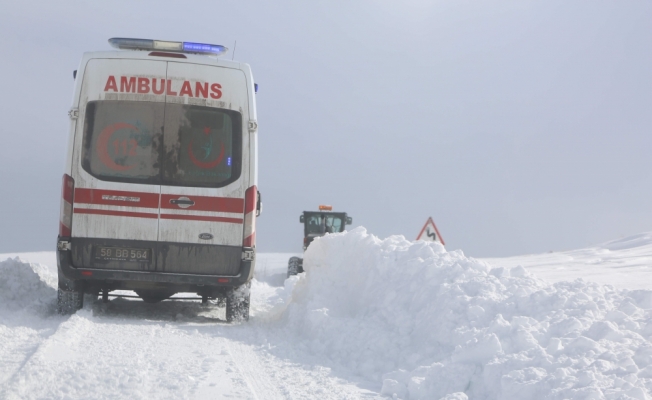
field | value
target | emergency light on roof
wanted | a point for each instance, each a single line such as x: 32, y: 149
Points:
x: 325, y: 208
x: 180, y: 47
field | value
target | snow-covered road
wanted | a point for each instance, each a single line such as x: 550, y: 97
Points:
x: 131, y: 349
x: 410, y: 321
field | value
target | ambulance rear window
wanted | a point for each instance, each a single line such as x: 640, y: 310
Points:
x: 202, y: 145
x: 122, y: 140
x: 158, y: 143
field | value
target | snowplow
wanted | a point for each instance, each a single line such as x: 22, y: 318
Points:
x: 317, y: 224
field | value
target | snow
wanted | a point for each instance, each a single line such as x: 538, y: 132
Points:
x: 625, y: 263
x: 17, y: 280
x: 430, y: 323
x: 47, y: 259
x: 370, y: 318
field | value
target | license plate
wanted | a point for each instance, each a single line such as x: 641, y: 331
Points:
x: 123, y: 254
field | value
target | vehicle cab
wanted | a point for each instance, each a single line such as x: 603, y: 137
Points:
x: 160, y: 185
x: 319, y: 223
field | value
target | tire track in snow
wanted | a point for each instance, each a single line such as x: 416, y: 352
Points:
x: 59, y: 344
x: 249, y: 366
x: 27, y: 305
x: 129, y: 349
x: 106, y: 357
x: 19, y: 344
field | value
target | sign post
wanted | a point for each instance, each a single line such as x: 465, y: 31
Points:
x: 430, y: 233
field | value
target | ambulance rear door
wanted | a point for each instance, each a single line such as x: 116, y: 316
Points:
x: 116, y: 164
x: 206, y: 170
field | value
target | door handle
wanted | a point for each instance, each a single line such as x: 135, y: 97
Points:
x: 182, y: 201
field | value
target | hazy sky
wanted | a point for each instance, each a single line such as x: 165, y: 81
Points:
x: 519, y: 126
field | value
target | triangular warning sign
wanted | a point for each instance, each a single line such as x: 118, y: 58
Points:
x: 430, y: 233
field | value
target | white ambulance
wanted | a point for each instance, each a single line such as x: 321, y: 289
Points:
x: 159, y: 192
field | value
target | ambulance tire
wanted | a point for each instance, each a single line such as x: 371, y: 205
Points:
x: 237, y: 303
x: 295, y: 266
x: 69, y: 301
x: 153, y: 296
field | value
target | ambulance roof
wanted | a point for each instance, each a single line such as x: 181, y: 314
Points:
x: 163, y: 56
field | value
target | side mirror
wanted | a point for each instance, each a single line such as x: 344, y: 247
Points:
x: 259, y: 205
x: 349, y: 220
x: 301, y: 219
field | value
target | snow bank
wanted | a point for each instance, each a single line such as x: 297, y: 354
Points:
x: 433, y: 324
x: 25, y: 286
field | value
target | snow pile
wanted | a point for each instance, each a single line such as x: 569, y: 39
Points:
x: 434, y: 324
x: 25, y: 286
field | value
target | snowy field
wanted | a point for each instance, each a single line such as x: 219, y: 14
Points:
x: 625, y: 263
x: 369, y: 319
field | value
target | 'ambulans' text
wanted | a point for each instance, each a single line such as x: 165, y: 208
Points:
x: 132, y: 84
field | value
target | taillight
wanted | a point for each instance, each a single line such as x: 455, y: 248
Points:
x: 250, y: 217
x: 67, y: 194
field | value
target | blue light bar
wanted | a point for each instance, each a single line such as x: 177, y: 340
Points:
x: 162, y: 45
x: 203, y: 48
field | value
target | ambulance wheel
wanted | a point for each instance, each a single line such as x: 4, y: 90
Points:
x: 69, y: 301
x: 237, y: 303
x: 153, y: 296
x: 295, y: 266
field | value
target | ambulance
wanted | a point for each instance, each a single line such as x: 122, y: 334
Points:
x: 160, y: 186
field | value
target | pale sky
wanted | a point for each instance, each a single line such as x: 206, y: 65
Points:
x: 519, y: 126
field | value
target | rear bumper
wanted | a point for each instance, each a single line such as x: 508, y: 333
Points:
x: 115, y: 278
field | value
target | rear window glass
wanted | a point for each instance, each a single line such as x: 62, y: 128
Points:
x: 122, y: 140
x: 158, y: 143
x: 199, y: 145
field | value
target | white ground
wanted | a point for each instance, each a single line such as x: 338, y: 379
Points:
x: 625, y: 263
x: 370, y: 318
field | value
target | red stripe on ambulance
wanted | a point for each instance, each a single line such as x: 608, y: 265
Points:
x: 186, y: 217
x: 116, y: 198
x: 115, y: 213
x: 151, y: 200
x: 251, y: 197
